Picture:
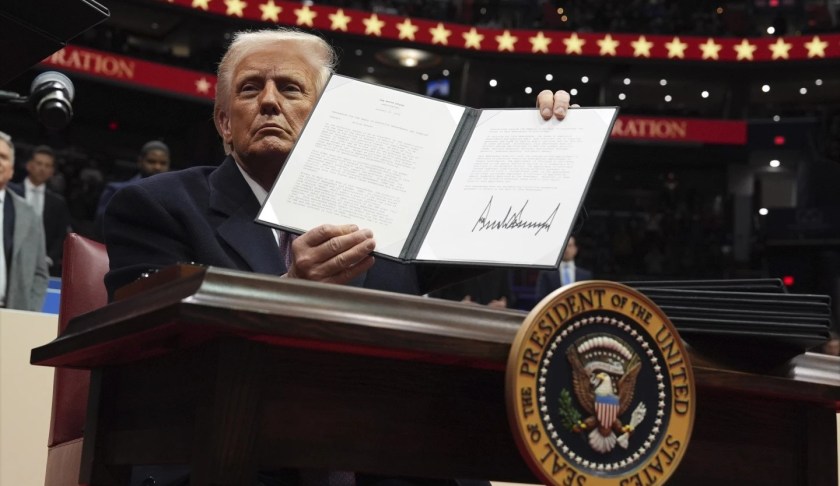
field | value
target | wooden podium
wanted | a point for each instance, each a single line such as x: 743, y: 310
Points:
x: 233, y: 373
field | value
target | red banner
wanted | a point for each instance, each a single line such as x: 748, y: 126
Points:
x: 685, y: 130
x: 201, y: 86
x: 744, y: 50
x: 127, y: 70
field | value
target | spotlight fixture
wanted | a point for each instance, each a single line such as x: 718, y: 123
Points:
x: 407, y: 57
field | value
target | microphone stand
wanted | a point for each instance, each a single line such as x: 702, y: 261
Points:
x: 12, y: 98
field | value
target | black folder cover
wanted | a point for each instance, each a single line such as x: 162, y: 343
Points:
x: 32, y: 30
x: 749, y: 319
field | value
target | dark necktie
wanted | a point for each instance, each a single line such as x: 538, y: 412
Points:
x: 285, y: 241
x: 8, y: 227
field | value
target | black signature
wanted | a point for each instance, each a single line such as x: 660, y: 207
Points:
x: 512, y: 220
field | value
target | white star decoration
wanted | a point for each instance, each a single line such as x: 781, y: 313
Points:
x: 202, y: 85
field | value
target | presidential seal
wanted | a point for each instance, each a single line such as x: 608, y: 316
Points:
x: 599, y: 388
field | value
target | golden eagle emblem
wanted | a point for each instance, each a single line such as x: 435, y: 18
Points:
x: 604, y: 372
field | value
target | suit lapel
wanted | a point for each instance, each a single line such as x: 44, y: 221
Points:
x: 231, y: 196
x: 48, y: 202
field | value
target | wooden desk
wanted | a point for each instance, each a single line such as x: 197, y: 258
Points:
x: 233, y: 372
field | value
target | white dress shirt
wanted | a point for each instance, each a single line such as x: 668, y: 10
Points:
x: 34, y: 195
x: 567, y: 272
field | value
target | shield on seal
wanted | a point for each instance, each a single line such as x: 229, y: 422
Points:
x: 606, y: 408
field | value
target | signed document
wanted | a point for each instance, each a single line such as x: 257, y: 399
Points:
x: 436, y: 181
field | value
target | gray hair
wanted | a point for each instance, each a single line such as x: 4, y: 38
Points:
x: 321, y: 54
x: 5, y: 137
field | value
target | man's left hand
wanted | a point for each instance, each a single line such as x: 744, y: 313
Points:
x: 554, y: 104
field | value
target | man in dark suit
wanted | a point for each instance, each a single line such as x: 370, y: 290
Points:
x: 50, y: 206
x: 153, y: 159
x: 23, y: 260
x: 267, y: 85
x: 549, y: 280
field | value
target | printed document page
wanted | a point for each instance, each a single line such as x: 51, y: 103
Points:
x: 367, y: 156
x: 517, y: 188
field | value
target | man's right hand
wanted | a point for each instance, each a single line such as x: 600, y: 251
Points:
x: 332, y: 253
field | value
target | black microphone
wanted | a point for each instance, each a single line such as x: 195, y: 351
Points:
x: 51, y: 98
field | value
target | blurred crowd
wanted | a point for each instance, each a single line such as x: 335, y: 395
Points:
x: 81, y: 179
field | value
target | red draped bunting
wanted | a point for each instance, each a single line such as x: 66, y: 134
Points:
x: 542, y: 42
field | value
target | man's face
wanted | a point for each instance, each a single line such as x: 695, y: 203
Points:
x: 570, y: 252
x: 40, y: 168
x: 154, y: 162
x: 7, y: 164
x: 273, y: 90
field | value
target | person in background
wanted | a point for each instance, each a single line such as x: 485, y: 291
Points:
x: 23, y: 258
x: 549, y: 280
x: 153, y: 159
x: 50, y: 207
